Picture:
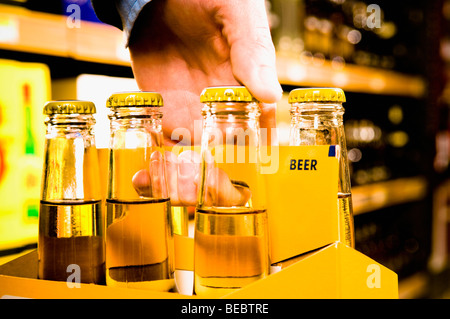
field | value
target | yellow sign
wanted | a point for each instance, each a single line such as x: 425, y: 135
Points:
x: 24, y: 89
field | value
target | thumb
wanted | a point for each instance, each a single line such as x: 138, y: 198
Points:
x: 188, y: 172
x: 252, y: 53
x: 221, y: 191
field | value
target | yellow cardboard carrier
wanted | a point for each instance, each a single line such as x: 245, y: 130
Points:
x: 302, y: 199
x: 308, y: 260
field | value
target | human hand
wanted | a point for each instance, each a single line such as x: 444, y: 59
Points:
x: 179, y: 47
x: 182, y: 176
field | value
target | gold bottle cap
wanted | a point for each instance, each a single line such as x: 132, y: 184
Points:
x: 69, y: 107
x: 226, y: 94
x: 125, y: 99
x: 317, y: 95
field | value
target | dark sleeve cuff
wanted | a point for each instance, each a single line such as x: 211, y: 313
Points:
x: 120, y: 13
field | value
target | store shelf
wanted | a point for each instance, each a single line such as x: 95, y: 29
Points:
x: 49, y: 34
x: 414, y: 286
x: 354, y: 78
x: 367, y: 198
x: 446, y: 90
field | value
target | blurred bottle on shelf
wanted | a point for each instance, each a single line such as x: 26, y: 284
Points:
x: 30, y: 165
x: 365, y: 149
x: 286, y: 22
x: 385, y: 138
x: 360, y: 32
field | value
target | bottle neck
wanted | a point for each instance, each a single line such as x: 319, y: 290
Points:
x: 232, y: 123
x: 137, y: 169
x: 231, y: 156
x: 136, y: 118
x: 70, y: 162
x: 70, y: 119
x: 317, y: 107
x: 66, y: 124
x: 232, y: 110
x: 315, y: 112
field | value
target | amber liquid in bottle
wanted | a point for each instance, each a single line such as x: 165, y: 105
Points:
x: 346, y: 218
x: 230, y: 249
x: 138, y: 253
x: 66, y: 228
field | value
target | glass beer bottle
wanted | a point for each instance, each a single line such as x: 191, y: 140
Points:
x: 139, y: 235
x: 230, y: 239
x: 317, y: 119
x: 70, y: 224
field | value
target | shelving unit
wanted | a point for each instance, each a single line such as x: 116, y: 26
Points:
x: 49, y: 34
x: 379, y: 195
x: 354, y: 78
x: 100, y: 43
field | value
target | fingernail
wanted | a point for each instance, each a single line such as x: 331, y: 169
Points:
x: 141, y: 182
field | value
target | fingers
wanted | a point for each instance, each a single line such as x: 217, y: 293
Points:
x: 252, y: 53
x: 188, y: 175
x: 151, y: 182
x: 157, y: 177
x: 172, y: 177
x: 268, y: 124
x: 182, y: 176
x: 141, y: 183
x: 220, y: 190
